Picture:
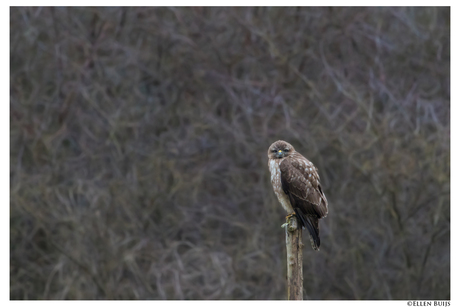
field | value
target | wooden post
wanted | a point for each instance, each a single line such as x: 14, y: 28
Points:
x: 294, y: 259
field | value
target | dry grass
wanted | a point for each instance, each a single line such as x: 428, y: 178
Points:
x: 139, y: 138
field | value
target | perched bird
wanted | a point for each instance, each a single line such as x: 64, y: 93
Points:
x: 296, y: 184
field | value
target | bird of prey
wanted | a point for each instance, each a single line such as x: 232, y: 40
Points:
x: 296, y: 184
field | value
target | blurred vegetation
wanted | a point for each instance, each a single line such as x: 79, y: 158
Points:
x: 139, y: 138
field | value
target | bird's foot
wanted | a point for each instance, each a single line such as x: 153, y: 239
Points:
x: 287, y: 219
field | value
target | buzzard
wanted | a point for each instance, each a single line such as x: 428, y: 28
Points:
x: 296, y: 184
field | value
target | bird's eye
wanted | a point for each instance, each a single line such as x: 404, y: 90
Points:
x: 286, y: 150
x: 273, y: 150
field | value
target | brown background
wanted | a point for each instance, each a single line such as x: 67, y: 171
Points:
x: 139, y: 139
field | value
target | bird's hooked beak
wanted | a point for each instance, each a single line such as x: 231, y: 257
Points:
x: 279, y: 154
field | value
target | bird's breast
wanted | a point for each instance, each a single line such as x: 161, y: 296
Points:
x: 277, y: 187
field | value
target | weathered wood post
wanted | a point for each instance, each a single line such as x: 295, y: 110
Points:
x: 294, y: 259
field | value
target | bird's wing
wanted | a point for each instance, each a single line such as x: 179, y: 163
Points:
x: 300, y: 182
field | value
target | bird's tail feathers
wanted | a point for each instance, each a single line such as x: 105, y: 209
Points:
x: 311, y: 223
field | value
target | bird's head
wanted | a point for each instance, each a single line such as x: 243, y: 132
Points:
x: 280, y: 149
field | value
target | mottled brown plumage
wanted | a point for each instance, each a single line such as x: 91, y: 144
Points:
x: 296, y: 184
